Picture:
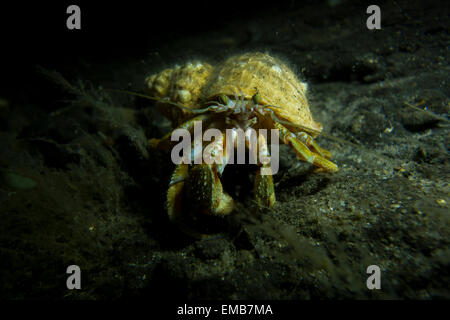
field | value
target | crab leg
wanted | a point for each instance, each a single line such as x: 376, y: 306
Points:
x: 165, y: 142
x: 205, y: 187
x: 264, y: 190
x: 175, y: 192
x: 303, y: 152
x: 175, y: 198
x: 177, y: 181
x: 201, y: 183
x: 204, y: 181
x: 310, y: 143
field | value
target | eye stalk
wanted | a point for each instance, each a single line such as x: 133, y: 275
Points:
x: 256, y: 98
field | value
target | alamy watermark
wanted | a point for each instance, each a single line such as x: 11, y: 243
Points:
x: 74, y: 19
x: 74, y: 280
x: 374, y: 280
x: 221, y: 148
x: 374, y: 20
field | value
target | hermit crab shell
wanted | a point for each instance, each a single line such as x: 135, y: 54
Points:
x: 195, y: 84
x: 276, y: 83
x: 182, y: 85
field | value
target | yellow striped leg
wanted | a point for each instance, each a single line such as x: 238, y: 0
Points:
x: 303, y: 152
x: 175, y: 192
x: 310, y: 143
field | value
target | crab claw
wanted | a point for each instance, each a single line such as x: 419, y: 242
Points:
x: 205, y: 187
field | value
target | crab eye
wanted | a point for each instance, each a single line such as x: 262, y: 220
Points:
x: 224, y: 99
x: 256, y: 98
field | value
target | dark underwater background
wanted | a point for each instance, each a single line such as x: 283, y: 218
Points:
x: 79, y: 185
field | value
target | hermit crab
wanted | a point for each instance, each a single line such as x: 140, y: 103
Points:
x: 247, y: 91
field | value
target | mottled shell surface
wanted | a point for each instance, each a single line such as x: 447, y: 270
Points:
x: 183, y: 85
x: 275, y: 82
x: 196, y: 83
